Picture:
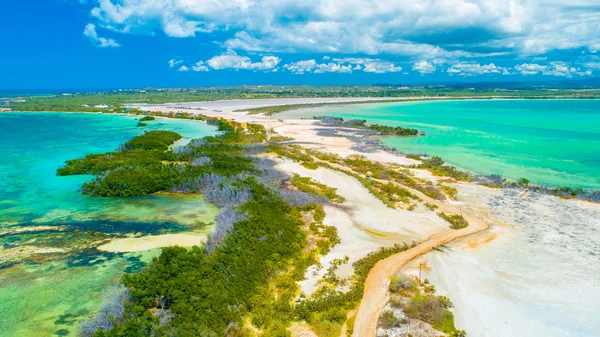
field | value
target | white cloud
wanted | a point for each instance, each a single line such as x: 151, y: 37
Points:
x: 558, y: 68
x: 308, y: 66
x: 231, y: 60
x: 90, y: 32
x: 332, y: 68
x: 530, y: 68
x: 592, y: 65
x: 370, y: 65
x: 199, y: 67
x: 174, y: 62
x: 301, y: 67
x: 405, y: 27
x: 343, y: 65
x: 473, y: 68
x: 423, y: 67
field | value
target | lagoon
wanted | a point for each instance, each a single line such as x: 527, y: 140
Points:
x: 549, y: 142
x: 51, y: 275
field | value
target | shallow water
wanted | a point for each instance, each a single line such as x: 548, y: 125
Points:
x: 540, y: 277
x: 553, y: 142
x: 50, y: 293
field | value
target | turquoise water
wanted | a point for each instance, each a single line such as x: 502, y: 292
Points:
x: 550, y: 142
x: 50, y: 274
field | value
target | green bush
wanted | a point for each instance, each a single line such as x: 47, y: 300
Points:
x: 388, y: 320
x: 399, y: 283
x: 153, y: 140
x: 307, y: 185
x: 456, y: 221
x: 433, y: 310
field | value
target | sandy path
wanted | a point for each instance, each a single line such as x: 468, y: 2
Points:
x: 376, y: 293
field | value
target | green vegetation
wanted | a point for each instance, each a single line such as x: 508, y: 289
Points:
x: 433, y: 310
x: 361, y: 123
x: 310, y: 166
x: 306, y: 184
x: 246, y: 274
x: 324, y: 237
x: 456, y: 221
x: 437, y: 166
x: 393, y: 130
x: 212, y: 292
x: 278, y: 139
x: 380, y: 171
x: 418, y: 301
x: 413, y: 156
x: 154, y: 140
x: 138, y: 169
x: 523, y: 182
x: 146, y: 165
x: 388, y: 193
x: 327, y: 310
x: 451, y: 192
x: 388, y: 320
x: 145, y: 119
x: 271, y: 110
x: 431, y: 207
x: 113, y: 101
x: 398, y: 284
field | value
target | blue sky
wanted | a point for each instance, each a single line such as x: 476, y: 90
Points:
x: 171, y: 43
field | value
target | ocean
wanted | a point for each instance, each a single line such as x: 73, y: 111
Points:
x: 549, y: 142
x: 46, y: 218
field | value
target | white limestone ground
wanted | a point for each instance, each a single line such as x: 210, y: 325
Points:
x: 363, y: 222
x: 538, y: 273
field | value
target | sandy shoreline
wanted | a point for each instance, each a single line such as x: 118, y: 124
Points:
x: 130, y: 245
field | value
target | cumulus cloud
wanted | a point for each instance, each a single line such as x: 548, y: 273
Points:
x: 558, y: 68
x: 174, y: 62
x: 90, y: 32
x: 231, y: 60
x: 473, y: 68
x: 592, y: 65
x: 199, y: 67
x: 301, y: 67
x: 530, y: 68
x: 370, y: 65
x: 343, y: 65
x: 308, y: 66
x: 423, y: 30
x: 423, y: 67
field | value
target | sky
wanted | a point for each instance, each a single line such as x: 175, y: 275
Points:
x: 108, y: 44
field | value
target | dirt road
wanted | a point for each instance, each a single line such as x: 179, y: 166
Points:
x: 376, y: 293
